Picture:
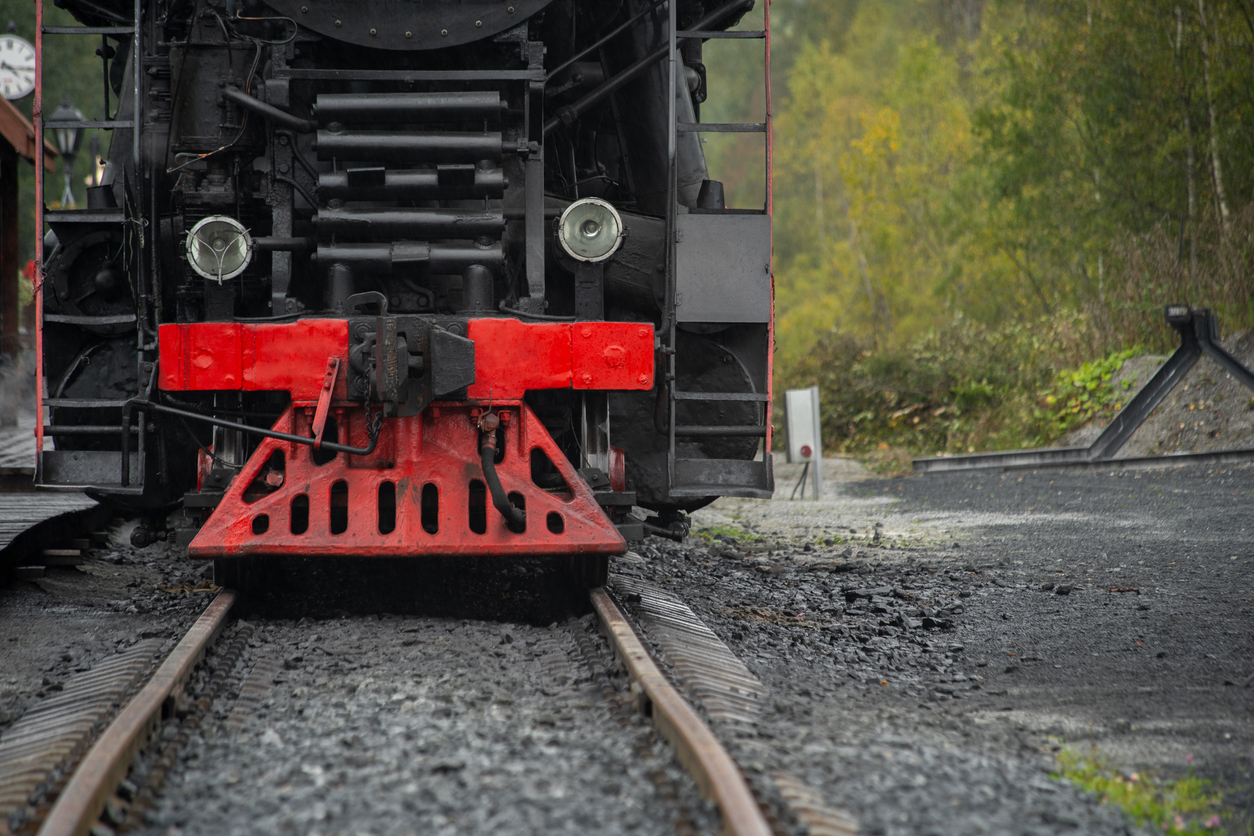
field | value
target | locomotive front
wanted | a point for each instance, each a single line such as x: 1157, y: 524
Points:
x: 393, y: 277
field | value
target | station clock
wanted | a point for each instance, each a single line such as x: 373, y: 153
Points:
x: 17, y: 67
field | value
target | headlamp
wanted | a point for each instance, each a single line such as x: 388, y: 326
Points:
x: 590, y: 230
x: 219, y: 248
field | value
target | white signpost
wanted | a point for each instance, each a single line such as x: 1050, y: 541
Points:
x: 804, y: 431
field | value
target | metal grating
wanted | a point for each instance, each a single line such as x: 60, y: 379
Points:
x: 59, y: 729
x: 724, y: 686
x: 808, y: 807
x: 256, y: 688
x: 721, y: 683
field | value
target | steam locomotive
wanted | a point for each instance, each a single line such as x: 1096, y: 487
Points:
x: 398, y: 277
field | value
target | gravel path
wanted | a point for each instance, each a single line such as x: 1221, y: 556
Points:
x: 930, y: 642
x: 399, y: 724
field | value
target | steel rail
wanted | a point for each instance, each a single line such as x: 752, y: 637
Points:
x: 105, y: 765
x: 1155, y: 462
x: 716, y: 774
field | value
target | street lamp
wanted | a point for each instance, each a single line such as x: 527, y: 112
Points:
x: 68, y: 140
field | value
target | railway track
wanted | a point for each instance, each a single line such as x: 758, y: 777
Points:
x: 665, y: 652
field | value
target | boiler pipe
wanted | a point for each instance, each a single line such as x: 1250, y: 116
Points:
x: 408, y: 107
x: 446, y: 183
x: 402, y: 222
x: 412, y: 146
x: 437, y: 258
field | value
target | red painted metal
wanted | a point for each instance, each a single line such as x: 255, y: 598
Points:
x: 206, y: 356
x: 770, y: 210
x: 37, y: 117
x: 618, y: 469
x: 511, y: 357
x: 611, y: 355
x: 439, y: 447
x: 324, y: 400
x: 204, y: 467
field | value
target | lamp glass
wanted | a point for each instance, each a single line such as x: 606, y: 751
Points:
x: 68, y: 139
x: 219, y: 248
x: 590, y: 230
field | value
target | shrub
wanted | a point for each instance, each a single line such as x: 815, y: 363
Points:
x: 961, y: 388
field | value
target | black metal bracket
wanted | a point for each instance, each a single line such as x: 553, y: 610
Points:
x: 1199, y: 334
x: 372, y: 430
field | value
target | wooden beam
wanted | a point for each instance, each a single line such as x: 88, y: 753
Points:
x: 10, y: 274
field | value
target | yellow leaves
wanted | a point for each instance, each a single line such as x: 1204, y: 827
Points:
x: 878, y: 225
x: 879, y: 131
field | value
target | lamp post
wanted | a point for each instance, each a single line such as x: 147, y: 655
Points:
x: 68, y: 137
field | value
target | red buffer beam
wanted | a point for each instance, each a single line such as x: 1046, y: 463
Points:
x: 511, y: 357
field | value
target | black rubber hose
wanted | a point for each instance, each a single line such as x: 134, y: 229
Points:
x: 487, y: 457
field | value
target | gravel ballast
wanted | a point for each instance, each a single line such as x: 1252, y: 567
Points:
x: 928, y: 644
x: 931, y: 642
x: 399, y: 724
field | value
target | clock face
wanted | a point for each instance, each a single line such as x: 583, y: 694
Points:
x: 17, y: 67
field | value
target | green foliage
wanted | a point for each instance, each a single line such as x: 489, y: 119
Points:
x: 1184, y: 807
x: 958, y: 388
x: 875, y: 233
x: 724, y: 532
x: 999, y: 165
x: 1088, y: 392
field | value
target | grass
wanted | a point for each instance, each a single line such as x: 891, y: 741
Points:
x: 1185, y: 806
x: 715, y: 532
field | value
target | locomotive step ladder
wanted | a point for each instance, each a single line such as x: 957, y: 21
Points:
x: 115, y: 461
x: 701, y: 477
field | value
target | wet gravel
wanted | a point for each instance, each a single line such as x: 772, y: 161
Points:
x: 931, y: 642
x: 401, y: 724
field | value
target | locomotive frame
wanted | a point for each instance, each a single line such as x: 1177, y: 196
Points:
x: 488, y: 293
